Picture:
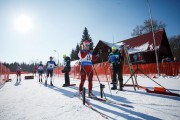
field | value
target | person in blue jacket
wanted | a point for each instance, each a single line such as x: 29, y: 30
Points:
x: 116, y: 60
x: 40, y: 69
x: 50, y: 66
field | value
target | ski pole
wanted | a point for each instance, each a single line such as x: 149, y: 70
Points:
x: 98, y: 79
x: 105, y: 71
x: 53, y: 78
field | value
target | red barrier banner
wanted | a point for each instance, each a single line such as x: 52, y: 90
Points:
x: 4, y: 74
x: 104, y: 71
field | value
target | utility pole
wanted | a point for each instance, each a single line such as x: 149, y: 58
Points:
x: 155, y: 47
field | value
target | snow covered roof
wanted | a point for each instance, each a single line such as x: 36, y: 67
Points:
x: 143, y: 43
x: 111, y: 44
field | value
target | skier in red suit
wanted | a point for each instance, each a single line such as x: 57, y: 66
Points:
x: 86, y: 69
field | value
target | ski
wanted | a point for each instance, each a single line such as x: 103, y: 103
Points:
x: 110, y: 101
x: 68, y: 85
x: 91, y: 107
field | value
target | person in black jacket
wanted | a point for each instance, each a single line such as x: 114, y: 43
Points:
x: 67, y: 69
x: 116, y: 61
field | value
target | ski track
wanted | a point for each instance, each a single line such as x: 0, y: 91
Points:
x: 29, y: 100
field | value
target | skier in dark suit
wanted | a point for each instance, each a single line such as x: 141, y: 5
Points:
x: 67, y: 69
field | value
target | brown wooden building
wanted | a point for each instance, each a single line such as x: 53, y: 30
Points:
x: 143, y: 44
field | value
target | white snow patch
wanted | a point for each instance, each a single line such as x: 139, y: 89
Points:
x: 118, y: 46
x: 30, y: 100
x: 151, y: 47
x: 120, y: 43
x: 75, y: 63
x: 140, y: 48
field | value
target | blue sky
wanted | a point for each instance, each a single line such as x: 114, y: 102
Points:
x: 59, y: 24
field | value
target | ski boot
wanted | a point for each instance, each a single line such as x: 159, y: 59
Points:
x: 17, y: 80
x: 113, y: 83
x: 114, y: 87
x: 91, y: 95
x: 45, y: 82
x: 64, y: 85
x: 80, y: 93
x: 121, y: 89
x: 41, y: 80
x: 51, y: 83
x: 121, y: 86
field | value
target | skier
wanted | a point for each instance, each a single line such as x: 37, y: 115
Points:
x: 18, y: 72
x: 34, y: 71
x: 50, y: 66
x: 67, y: 69
x: 116, y: 60
x: 86, y: 59
x: 40, y: 69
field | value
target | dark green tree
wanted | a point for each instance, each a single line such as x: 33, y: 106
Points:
x: 77, y: 51
x: 72, y: 55
x: 86, y: 36
x: 25, y: 67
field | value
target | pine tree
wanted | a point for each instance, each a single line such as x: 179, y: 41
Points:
x: 77, y: 51
x: 24, y: 66
x: 72, y: 55
x: 86, y: 36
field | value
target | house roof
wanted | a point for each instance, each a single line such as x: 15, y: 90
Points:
x: 143, y: 43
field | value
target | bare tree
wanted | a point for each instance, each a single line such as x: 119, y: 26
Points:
x: 175, y: 46
x: 146, y: 27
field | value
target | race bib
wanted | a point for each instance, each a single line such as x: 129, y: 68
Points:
x: 50, y: 65
x: 40, y: 68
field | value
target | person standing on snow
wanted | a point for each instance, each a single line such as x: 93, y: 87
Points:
x: 18, y: 72
x: 50, y: 66
x: 86, y: 58
x: 34, y: 71
x: 40, y: 69
x: 67, y: 69
x: 116, y: 61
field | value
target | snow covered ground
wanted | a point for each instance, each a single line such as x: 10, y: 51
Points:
x: 30, y: 100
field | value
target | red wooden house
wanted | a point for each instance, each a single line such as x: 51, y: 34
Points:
x: 143, y: 44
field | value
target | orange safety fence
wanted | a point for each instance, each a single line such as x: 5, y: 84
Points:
x: 22, y: 72
x: 4, y: 74
x: 104, y: 72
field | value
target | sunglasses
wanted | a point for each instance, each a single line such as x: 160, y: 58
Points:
x: 87, y: 45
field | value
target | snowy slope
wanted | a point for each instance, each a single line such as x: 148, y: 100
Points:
x: 30, y: 100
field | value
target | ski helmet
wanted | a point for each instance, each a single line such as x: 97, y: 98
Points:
x: 64, y: 55
x: 114, y: 48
